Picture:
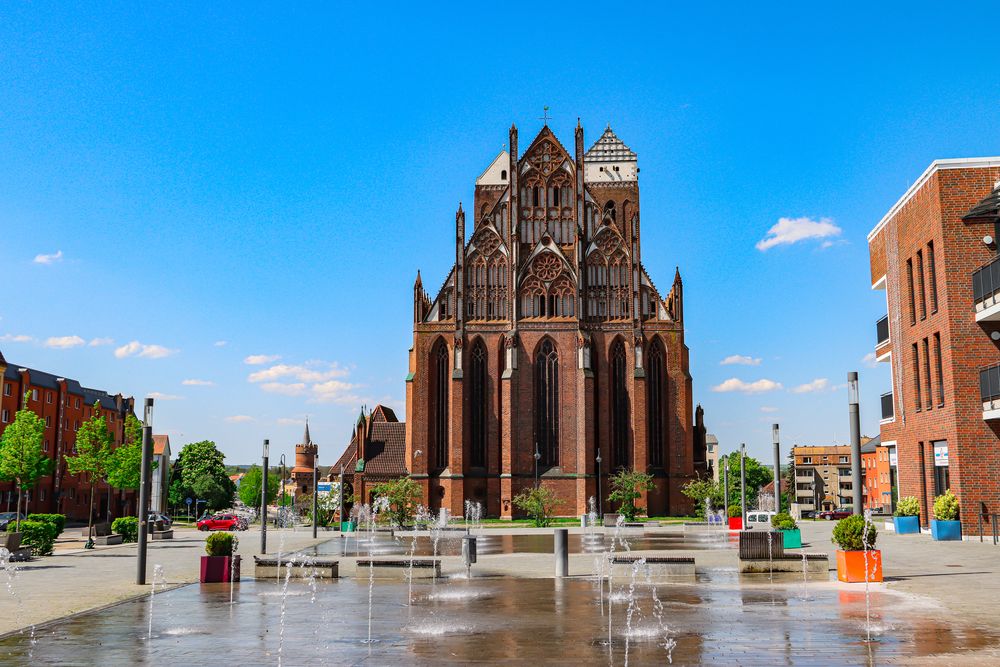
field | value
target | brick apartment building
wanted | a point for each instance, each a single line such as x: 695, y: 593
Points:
x: 64, y: 405
x: 879, y: 477
x: 935, y: 255
x: 549, y: 342
x: 822, y: 477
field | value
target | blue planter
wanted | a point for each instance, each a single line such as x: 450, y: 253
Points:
x: 906, y: 525
x: 946, y: 530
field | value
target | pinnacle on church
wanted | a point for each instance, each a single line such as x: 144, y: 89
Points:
x: 677, y: 274
x: 306, y: 440
x: 418, y: 283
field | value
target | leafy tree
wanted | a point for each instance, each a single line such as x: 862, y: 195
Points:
x: 216, y: 495
x: 21, y: 458
x: 539, y: 503
x: 125, y: 466
x: 757, y: 476
x: 404, y: 495
x: 627, y: 487
x: 93, y: 456
x: 249, y: 490
x: 196, y: 461
x: 703, y: 491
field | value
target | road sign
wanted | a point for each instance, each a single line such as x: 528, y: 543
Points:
x: 187, y: 500
x: 324, y: 487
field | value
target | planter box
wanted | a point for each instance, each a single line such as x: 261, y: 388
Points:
x: 906, y: 525
x: 735, y: 523
x: 348, y: 526
x: 217, y: 569
x: 946, y: 530
x: 851, y: 566
x: 791, y: 539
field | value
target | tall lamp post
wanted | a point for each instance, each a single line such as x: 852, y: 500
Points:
x: 281, y: 498
x: 743, y: 482
x: 537, y: 458
x: 263, y: 502
x: 315, y: 493
x: 145, y: 485
x: 600, y: 500
x: 725, y: 484
x: 777, y: 468
x: 855, y: 414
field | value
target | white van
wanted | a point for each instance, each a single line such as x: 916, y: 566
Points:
x: 759, y: 520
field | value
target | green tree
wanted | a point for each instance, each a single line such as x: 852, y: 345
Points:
x: 21, y: 458
x: 125, y: 465
x: 249, y: 489
x: 196, y: 461
x: 216, y: 495
x: 757, y: 476
x: 404, y: 495
x: 539, y: 503
x: 627, y: 487
x: 93, y: 456
x: 703, y: 490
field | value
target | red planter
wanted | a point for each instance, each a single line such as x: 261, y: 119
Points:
x: 217, y: 569
x: 735, y: 523
x: 851, y: 566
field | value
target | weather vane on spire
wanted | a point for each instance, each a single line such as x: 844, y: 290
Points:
x: 545, y: 115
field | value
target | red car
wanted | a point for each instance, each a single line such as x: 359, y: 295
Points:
x: 830, y: 515
x: 219, y: 522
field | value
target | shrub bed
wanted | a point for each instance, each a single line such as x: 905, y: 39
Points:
x: 58, y: 520
x: 127, y: 527
x: 39, y: 535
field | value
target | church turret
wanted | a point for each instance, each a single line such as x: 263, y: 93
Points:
x: 675, y: 300
x: 515, y: 216
x: 421, y: 302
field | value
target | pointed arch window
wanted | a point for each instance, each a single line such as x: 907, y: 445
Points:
x: 547, y: 404
x: 619, y: 406
x: 479, y: 412
x: 440, y: 365
x: 656, y: 387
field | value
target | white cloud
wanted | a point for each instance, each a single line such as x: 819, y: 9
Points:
x: 165, y: 397
x: 135, y: 348
x: 290, y: 421
x: 198, y: 383
x: 300, y: 373
x: 294, y: 389
x: 334, y: 391
x: 49, y: 259
x: 220, y: 343
x: 819, y: 384
x: 97, y: 342
x: 239, y: 419
x: 20, y: 338
x: 258, y: 359
x: 869, y: 360
x: 792, y: 230
x: 741, y: 360
x: 756, y: 387
x: 768, y: 408
x: 64, y: 342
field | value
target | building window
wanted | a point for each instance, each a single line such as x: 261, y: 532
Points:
x: 619, y: 405
x: 932, y: 276
x: 909, y: 282
x: 34, y: 394
x: 440, y: 394
x: 5, y: 416
x: 503, y: 175
x: 942, y: 480
x: 807, y: 460
x: 6, y: 389
x: 48, y: 397
x: 843, y: 459
x: 78, y: 404
x: 479, y: 411
x: 48, y: 422
x: 657, y: 389
x: 927, y: 375
x: 939, y: 367
x: 920, y: 284
x: 547, y: 404
x: 45, y: 447
x: 916, y: 378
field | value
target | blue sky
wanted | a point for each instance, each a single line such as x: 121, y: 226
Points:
x: 185, y: 187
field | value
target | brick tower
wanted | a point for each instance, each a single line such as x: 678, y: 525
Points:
x: 305, y: 462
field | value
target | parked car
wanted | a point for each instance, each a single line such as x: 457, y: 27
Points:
x: 8, y: 518
x: 830, y: 515
x: 220, y: 522
x: 759, y: 519
x: 808, y: 514
x: 156, y: 516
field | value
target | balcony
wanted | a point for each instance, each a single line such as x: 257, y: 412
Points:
x: 989, y: 391
x: 888, y: 408
x: 881, y: 335
x: 986, y: 291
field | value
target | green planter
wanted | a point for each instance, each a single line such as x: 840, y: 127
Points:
x: 792, y: 539
x: 348, y: 526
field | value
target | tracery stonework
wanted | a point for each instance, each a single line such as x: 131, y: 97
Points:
x: 546, y: 316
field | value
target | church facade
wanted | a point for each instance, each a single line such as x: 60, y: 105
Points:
x: 548, y: 353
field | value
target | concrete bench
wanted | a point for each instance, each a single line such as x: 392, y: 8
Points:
x: 814, y: 564
x: 163, y: 534
x: 761, y: 545
x: 107, y: 540
x: 399, y: 568
x: 100, y: 530
x: 12, y: 543
x: 270, y: 568
x: 659, y: 567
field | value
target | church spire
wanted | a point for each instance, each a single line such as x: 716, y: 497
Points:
x: 306, y: 440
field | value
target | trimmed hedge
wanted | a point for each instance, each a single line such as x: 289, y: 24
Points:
x: 221, y: 544
x: 851, y: 535
x: 58, y: 520
x: 39, y: 535
x: 783, y: 521
x: 127, y: 527
x: 735, y: 511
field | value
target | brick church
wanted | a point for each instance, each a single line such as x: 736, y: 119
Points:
x: 548, y: 345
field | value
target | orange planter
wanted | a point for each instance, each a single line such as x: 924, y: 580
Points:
x: 851, y: 565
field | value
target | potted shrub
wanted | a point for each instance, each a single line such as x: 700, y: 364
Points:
x: 735, y: 517
x: 857, y: 557
x: 791, y: 536
x: 221, y: 563
x: 906, y: 520
x: 945, y: 524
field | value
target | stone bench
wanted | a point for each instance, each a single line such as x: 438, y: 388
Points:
x: 269, y: 568
x: 815, y: 565
x: 761, y: 545
x: 398, y: 568
x: 12, y: 543
x: 163, y: 534
x: 107, y: 540
x: 100, y: 530
x: 659, y: 567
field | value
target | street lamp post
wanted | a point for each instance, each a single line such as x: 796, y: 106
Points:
x: 315, y: 493
x: 855, y: 414
x: 281, y: 498
x: 743, y: 482
x: 145, y: 485
x: 777, y: 468
x: 725, y: 484
x: 537, y: 458
x: 600, y: 500
x: 263, y: 502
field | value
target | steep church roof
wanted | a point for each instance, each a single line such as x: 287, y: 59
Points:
x: 306, y: 440
x: 609, y: 148
x: 988, y: 208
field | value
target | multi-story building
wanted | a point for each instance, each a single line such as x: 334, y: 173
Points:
x: 935, y: 255
x: 161, y: 474
x: 63, y: 404
x: 823, y: 477
x: 879, y: 477
x: 548, y: 350
x: 712, y: 456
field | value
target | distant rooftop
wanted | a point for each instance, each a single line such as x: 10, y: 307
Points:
x: 609, y: 148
